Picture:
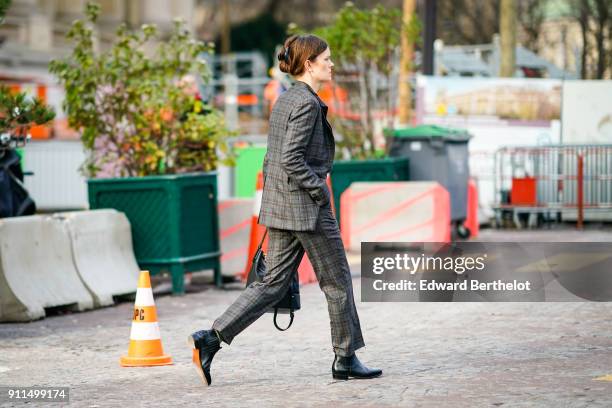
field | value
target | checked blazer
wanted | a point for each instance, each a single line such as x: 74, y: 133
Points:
x: 300, y: 154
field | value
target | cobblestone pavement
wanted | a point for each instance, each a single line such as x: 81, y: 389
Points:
x: 432, y: 354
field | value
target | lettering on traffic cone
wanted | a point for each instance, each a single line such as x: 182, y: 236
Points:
x: 257, y: 231
x: 145, y: 340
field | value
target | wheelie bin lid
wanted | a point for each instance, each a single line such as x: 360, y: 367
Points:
x: 430, y: 132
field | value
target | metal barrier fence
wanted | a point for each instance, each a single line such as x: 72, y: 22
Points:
x: 545, y: 179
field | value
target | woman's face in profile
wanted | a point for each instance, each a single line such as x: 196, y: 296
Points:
x: 322, y: 66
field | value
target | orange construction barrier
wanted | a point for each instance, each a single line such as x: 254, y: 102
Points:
x: 145, y: 340
x: 272, y: 91
x: 37, y: 131
x: 471, y: 221
x: 394, y: 211
x: 247, y: 100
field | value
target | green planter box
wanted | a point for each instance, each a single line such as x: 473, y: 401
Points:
x: 345, y: 172
x: 175, y: 226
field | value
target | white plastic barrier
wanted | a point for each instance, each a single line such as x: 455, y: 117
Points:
x: 37, y: 270
x: 235, y: 216
x: 410, y: 211
x: 102, y: 252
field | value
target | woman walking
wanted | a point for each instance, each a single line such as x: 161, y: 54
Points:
x: 296, y: 209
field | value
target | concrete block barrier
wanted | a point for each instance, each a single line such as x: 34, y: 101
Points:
x: 403, y: 211
x: 37, y: 270
x: 234, y: 229
x: 102, y: 252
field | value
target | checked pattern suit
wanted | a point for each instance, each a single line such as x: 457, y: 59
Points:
x: 296, y: 209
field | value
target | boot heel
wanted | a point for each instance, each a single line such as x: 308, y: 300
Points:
x: 340, y: 376
x: 191, y: 341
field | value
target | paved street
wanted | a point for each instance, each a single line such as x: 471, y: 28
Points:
x: 432, y: 354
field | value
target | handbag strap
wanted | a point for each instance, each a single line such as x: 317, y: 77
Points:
x: 291, y: 315
x: 290, y: 321
x: 262, y: 239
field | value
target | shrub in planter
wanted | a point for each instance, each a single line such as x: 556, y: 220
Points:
x: 134, y: 105
x: 143, y: 125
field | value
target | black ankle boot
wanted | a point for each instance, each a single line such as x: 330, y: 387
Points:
x: 345, y: 367
x: 205, y: 345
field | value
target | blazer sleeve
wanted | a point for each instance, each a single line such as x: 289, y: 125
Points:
x: 300, y: 129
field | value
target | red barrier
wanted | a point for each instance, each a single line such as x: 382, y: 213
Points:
x: 580, y: 172
x: 523, y: 191
x: 257, y: 231
x: 471, y: 222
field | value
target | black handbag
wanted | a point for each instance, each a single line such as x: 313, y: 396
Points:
x: 288, y: 303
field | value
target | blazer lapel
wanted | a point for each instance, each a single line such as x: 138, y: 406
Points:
x: 328, y: 129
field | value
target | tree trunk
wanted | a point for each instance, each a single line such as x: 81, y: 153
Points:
x: 226, y: 29
x: 390, y: 95
x: 405, y: 102
x: 363, y: 99
x: 583, y: 19
x: 507, y: 30
x: 600, y: 36
x: 370, y: 106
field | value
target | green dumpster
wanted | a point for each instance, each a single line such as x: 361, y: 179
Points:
x: 249, y: 162
x: 440, y: 154
x: 345, y: 172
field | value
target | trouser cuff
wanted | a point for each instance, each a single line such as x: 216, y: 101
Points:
x: 222, y: 336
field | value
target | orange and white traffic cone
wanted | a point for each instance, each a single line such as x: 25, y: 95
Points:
x: 257, y: 231
x: 145, y: 340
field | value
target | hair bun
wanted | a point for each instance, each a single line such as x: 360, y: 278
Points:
x: 296, y: 50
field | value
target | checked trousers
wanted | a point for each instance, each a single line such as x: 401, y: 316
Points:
x: 285, y: 251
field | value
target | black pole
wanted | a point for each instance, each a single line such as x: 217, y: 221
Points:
x: 429, y: 37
